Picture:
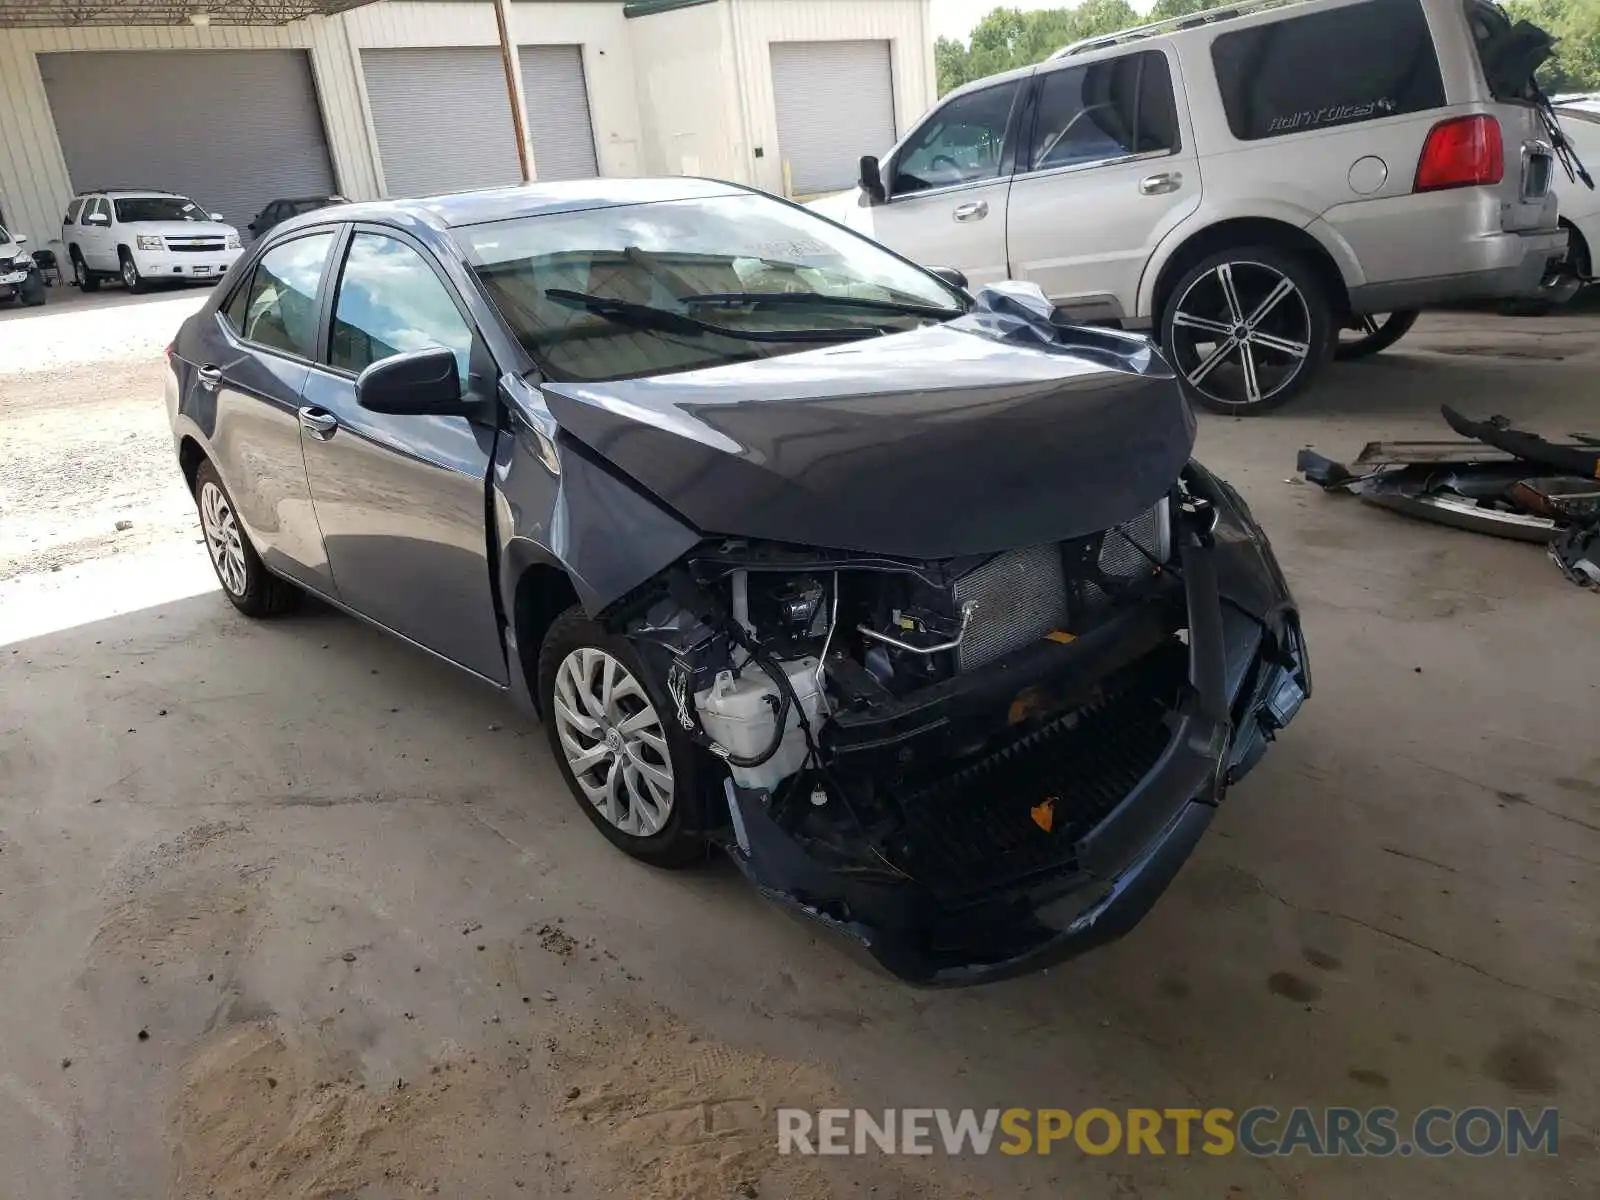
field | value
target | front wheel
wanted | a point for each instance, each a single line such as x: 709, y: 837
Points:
x: 631, y: 769
x: 248, y: 585
x: 1247, y: 329
x: 1372, y: 333
x: 131, y: 279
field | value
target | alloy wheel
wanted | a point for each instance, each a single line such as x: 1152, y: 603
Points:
x: 1241, y: 333
x: 130, y: 274
x: 80, y: 273
x: 221, y: 530
x: 614, y: 741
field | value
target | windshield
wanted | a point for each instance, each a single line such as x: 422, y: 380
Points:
x: 649, y: 289
x: 158, y: 208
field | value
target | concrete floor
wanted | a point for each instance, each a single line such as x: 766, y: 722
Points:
x: 289, y: 909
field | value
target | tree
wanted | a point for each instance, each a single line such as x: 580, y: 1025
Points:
x: 1008, y: 38
x: 1167, y: 9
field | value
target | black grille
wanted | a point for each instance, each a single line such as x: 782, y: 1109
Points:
x: 973, y: 831
x: 194, y: 247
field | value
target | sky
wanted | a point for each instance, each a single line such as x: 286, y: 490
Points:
x: 955, y: 18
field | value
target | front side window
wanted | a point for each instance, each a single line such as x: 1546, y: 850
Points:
x: 1104, y: 110
x: 647, y: 289
x: 99, y: 211
x: 1326, y: 69
x: 961, y: 143
x: 390, y: 301
x: 158, y: 208
x: 281, y: 310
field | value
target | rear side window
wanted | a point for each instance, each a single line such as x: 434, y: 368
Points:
x: 73, y: 210
x: 1326, y: 69
x: 961, y: 143
x: 280, y: 311
x: 1107, y: 109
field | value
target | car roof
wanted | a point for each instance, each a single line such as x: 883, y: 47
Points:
x: 457, y: 209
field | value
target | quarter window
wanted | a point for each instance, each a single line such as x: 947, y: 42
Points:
x: 961, y: 143
x: 390, y: 301
x: 1107, y: 109
x: 281, y: 312
x: 1358, y: 63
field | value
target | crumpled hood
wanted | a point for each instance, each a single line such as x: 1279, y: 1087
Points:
x: 940, y: 442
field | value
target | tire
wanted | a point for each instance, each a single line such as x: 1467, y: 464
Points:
x: 32, y: 293
x: 1264, y: 293
x: 248, y: 585
x: 1372, y: 334
x: 131, y: 279
x: 86, y: 279
x: 625, y: 806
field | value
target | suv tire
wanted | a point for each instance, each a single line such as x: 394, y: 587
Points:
x: 131, y: 278
x: 1247, y: 329
x: 248, y: 585
x: 613, y: 745
x: 1373, y: 334
x: 86, y: 279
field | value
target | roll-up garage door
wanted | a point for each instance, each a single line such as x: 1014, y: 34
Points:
x: 557, y: 99
x: 443, y: 119
x: 231, y: 129
x: 835, y: 102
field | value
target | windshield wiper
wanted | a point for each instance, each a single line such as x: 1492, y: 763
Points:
x: 822, y: 300
x: 647, y: 316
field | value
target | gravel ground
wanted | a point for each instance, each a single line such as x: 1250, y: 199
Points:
x: 289, y: 909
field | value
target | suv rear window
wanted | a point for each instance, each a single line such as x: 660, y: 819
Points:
x: 1326, y: 69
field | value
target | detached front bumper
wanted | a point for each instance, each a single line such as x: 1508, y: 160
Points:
x: 1246, y: 677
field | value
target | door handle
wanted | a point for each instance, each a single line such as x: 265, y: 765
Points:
x: 973, y: 210
x: 210, y: 378
x: 1161, y: 185
x: 318, y: 424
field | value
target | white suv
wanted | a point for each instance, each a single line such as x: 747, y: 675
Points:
x: 143, y: 237
x: 1246, y: 182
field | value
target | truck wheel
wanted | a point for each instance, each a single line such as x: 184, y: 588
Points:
x: 86, y: 279
x: 31, y: 292
x: 1248, y: 328
x: 249, y: 586
x: 1372, y: 333
x: 131, y: 278
x: 628, y: 764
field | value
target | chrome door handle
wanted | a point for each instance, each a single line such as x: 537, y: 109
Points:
x: 1160, y: 185
x: 210, y: 378
x: 973, y: 210
x: 318, y: 424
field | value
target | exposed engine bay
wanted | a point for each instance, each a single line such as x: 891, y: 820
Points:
x: 911, y: 747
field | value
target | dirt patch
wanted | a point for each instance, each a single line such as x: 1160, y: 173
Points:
x: 557, y: 941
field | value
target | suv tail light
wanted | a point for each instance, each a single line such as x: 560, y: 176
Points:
x: 1462, y: 152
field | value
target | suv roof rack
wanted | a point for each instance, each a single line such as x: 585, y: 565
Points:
x: 1212, y: 16
x: 123, y: 187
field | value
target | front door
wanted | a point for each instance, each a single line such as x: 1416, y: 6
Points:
x: 1106, y: 171
x: 401, y: 499
x: 947, y: 188
x: 94, y: 235
x: 253, y: 362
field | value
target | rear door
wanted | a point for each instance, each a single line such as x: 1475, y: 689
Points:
x: 402, y: 499
x: 251, y: 364
x: 1105, y: 169
x: 947, y: 186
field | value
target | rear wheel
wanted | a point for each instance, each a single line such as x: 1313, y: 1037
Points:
x: 249, y: 586
x: 1372, y: 333
x: 1247, y: 329
x: 634, y: 773
x: 86, y: 279
x: 131, y: 279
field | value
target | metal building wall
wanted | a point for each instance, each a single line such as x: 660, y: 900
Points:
x: 689, y: 104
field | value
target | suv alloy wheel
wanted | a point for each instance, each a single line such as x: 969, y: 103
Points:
x: 1247, y: 329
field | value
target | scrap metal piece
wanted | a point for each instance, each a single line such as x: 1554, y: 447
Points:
x: 1562, y: 498
x: 1577, y: 553
x: 1322, y: 471
x: 1582, y: 461
x: 1396, y: 454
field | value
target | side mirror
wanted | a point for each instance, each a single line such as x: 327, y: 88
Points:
x: 215, y: 216
x: 97, y: 219
x: 417, y: 383
x: 951, y: 276
x: 19, y: 238
x: 872, y: 179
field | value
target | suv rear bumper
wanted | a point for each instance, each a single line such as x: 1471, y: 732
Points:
x: 1499, y: 266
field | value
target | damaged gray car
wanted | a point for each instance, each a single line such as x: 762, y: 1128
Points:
x: 913, y: 601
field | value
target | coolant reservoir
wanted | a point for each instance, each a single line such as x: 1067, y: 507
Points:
x: 740, y: 713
